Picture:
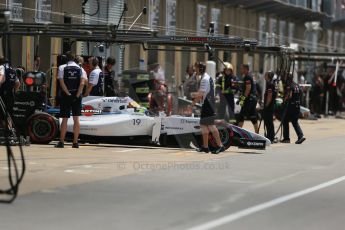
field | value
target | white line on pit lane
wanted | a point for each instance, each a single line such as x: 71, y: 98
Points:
x: 125, y: 150
x: 76, y: 171
x: 260, y: 207
x: 240, y: 181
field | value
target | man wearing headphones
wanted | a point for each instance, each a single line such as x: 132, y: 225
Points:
x: 269, y: 101
x: 206, y: 96
x: 248, y: 99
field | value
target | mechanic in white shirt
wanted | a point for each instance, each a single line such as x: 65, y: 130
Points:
x: 206, y: 96
x: 96, y: 80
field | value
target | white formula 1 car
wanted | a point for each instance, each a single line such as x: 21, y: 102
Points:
x: 122, y: 120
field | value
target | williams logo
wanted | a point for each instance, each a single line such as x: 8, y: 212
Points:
x: 252, y: 144
x: 72, y: 73
x: 185, y: 121
x: 115, y: 100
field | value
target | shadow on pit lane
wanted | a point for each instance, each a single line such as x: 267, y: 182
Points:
x: 123, y: 146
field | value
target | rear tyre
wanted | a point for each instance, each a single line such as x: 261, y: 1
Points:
x: 42, y: 128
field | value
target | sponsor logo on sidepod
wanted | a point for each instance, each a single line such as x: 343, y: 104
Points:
x: 89, y: 111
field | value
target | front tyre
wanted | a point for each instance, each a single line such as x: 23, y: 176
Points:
x: 225, y: 134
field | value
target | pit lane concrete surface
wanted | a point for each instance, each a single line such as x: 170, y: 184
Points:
x: 287, y: 186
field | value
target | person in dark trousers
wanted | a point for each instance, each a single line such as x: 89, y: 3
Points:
x: 9, y: 84
x: 109, y: 77
x: 317, y: 93
x: 269, y: 102
x: 72, y: 80
x: 258, y: 89
x: 225, y: 87
x: 206, y: 96
x: 96, y: 80
x: 292, y: 99
x: 248, y: 100
x: 331, y: 87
